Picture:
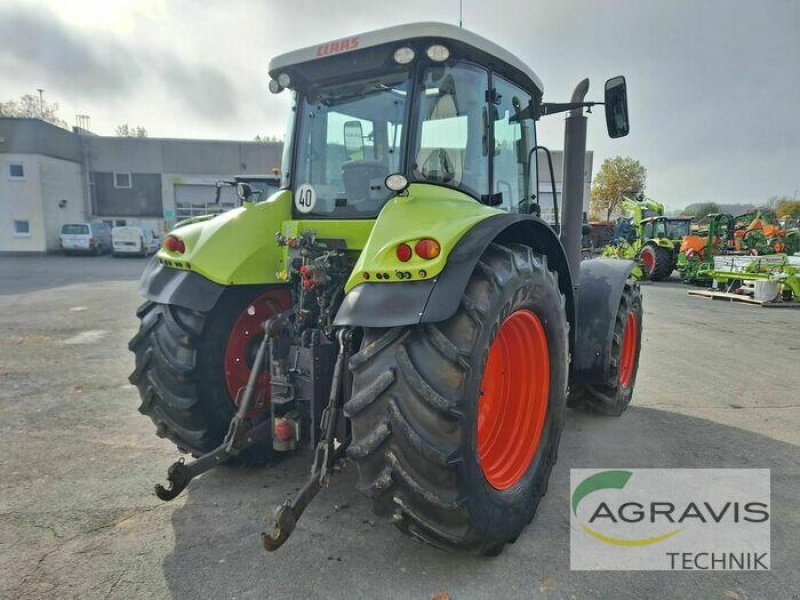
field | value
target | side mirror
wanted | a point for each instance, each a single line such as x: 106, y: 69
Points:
x: 244, y: 191
x: 353, y: 140
x: 616, y: 101
x: 586, y: 229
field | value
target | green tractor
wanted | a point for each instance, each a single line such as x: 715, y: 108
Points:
x: 659, y: 245
x: 399, y: 301
x: 647, y: 236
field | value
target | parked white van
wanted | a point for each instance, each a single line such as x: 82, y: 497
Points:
x: 91, y: 238
x: 139, y: 241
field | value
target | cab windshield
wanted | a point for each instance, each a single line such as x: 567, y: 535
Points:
x: 348, y: 142
x: 677, y: 229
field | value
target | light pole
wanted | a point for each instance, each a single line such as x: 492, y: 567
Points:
x: 41, y: 102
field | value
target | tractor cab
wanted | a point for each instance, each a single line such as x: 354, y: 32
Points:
x: 666, y: 228
x: 428, y: 103
x: 420, y: 101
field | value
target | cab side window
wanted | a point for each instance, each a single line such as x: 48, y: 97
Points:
x: 514, y: 136
x: 452, y: 148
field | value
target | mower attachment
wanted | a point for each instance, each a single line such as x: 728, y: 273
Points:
x: 241, y: 435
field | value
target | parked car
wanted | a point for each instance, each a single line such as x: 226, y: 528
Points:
x: 138, y: 241
x: 85, y: 238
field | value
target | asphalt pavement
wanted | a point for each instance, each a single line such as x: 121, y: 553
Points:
x: 718, y: 387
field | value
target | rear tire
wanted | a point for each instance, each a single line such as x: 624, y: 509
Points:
x: 614, y: 397
x: 179, y: 370
x: 415, y: 407
x: 658, y: 262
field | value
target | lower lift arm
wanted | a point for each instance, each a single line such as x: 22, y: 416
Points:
x: 242, y: 434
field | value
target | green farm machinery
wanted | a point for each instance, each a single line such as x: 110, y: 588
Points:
x: 727, y: 255
x: 400, y: 301
x: 649, y: 237
x: 751, y: 234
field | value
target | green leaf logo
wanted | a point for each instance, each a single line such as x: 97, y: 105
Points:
x: 599, y: 481
x: 615, y: 480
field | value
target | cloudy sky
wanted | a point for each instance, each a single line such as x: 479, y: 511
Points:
x: 714, y: 85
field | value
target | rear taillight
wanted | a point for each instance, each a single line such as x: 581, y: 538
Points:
x: 174, y: 244
x: 427, y: 249
x: 404, y: 253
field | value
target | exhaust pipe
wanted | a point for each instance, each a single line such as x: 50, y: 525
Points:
x: 573, y: 181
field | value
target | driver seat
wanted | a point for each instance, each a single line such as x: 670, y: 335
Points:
x: 363, y: 180
x: 439, y: 165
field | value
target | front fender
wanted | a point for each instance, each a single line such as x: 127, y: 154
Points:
x: 602, y: 284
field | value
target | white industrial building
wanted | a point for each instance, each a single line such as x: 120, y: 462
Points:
x: 41, y: 185
x: 52, y: 176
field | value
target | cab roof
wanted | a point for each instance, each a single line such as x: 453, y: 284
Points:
x: 433, y: 32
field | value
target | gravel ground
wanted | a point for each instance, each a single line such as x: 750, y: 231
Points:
x: 718, y: 387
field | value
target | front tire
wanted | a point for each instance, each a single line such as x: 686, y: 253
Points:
x: 614, y: 396
x: 419, y: 416
x: 658, y: 262
x: 180, y: 368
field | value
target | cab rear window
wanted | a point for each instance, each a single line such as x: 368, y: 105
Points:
x: 75, y: 229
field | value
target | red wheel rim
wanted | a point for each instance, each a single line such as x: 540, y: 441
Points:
x: 245, y: 336
x: 513, y: 402
x: 648, y: 260
x: 630, y: 338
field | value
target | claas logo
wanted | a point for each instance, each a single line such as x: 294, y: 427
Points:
x: 338, y: 46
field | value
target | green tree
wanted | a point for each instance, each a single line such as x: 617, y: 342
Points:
x: 618, y: 177
x: 32, y: 107
x: 782, y: 206
x: 788, y: 207
x: 125, y: 130
x: 701, y: 209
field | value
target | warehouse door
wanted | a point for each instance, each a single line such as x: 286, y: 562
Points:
x: 196, y: 200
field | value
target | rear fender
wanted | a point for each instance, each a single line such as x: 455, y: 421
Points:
x: 236, y: 247
x: 429, y: 301
x: 178, y: 287
x: 602, y: 284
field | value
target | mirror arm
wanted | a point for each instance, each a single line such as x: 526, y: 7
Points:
x: 551, y: 108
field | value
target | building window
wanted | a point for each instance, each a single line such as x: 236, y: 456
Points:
x: 122, y: 180
x: 16, y: 171
x: 22, y: 229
